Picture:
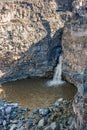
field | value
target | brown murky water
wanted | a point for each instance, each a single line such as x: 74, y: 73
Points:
x: 34, y: 93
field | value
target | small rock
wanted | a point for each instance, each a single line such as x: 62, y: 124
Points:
x: 22, y: 128
x: 15, y: 105
x: 70, y: 120
x: 4, y: 123
x: 61, y: 126
x: 2, y: 111
x: 13, y: 114
x: 13, y: 127
x: 47, y: 128
x: 53, y: 125
x: 1, y: 121
x: 44, y: 111
x: 36, y: 111
x: 41, y: 123
x: 48, y: 116
x: 8, y: 110
x: 80, y: 89
x: 30, y: 123
x: 58, y: 102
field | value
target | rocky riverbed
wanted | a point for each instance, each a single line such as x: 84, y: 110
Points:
x: 58, y: 116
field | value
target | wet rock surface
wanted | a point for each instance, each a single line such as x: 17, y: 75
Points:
x: 55, y: 117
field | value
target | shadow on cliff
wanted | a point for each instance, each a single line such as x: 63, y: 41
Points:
x: 64, y: 5
x: 85, y: 76
x: 64, y: 8
x: 39, y: 56
x: 84, y: 89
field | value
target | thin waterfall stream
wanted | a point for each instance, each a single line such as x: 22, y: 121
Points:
x: 57, y: 78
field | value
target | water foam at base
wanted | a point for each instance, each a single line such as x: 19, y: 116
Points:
x: 57, y: 78
x: 55, y: 83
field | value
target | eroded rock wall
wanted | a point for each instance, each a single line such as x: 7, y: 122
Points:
x: 30, y: 38
x: 75, y: 41
x: 75, y: 59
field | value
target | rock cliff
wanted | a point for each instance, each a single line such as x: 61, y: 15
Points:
x: 30, y: 44
x: 74, y: 45
x: 74, y: 41
x: 30, y: 38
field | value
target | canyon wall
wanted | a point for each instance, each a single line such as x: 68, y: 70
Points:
x: 30, y: 44
x: 30, y: 38
x: 74, y: 45
x: 74, y: 41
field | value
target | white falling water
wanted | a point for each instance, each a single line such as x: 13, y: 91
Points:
x: 57, y: 78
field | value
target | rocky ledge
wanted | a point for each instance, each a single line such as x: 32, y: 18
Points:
x: 58, y: 116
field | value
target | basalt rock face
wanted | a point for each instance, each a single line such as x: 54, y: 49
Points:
x: 30, y: 38
x: 75, y: 59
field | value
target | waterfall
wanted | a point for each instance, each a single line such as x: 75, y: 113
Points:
x: 57, y: 78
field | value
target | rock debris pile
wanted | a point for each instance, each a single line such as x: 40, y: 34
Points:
x: 58, y: 116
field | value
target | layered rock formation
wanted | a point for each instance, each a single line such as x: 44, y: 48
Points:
x: 75, y: 59
x: 75, y: 42
x: 30, y: 44
x: 30, y: 38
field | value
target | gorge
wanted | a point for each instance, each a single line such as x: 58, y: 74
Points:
x: 32, y: 36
